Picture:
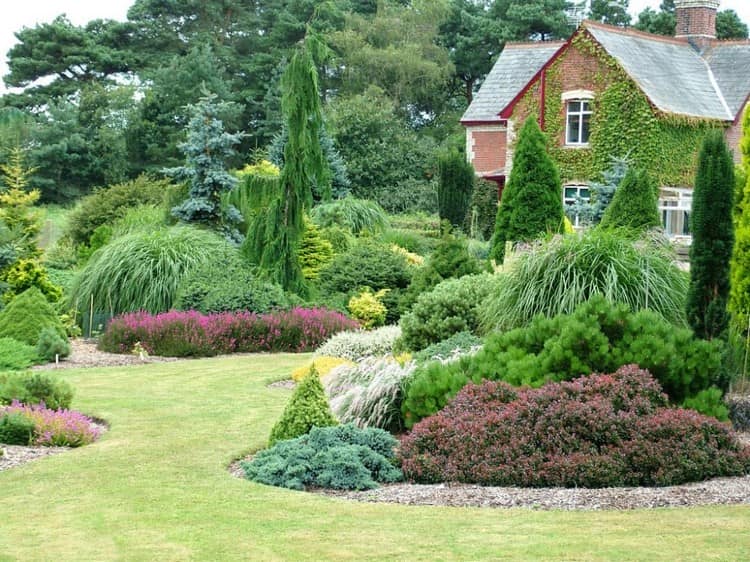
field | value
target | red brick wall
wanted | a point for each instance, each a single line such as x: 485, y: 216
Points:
x: 692, y: 21
x: 488, y: 149
x: 733, y: 135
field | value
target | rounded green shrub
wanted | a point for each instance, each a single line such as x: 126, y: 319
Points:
x: 597, y: 337
x: 16, y: 355
x: 27, y: 315
x: 106, y: 205
x: 555, y: 277
x: 16, y: 429
x: 453, y: 306
x: 34, y: 388
x: 224, y: 283
x: 634, y: 204
x: 368, y: 264
x: 307, y: 408
x: 343, y: 457
x: 143, y: 271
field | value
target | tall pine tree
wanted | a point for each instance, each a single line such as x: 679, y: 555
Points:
x: 713, y: 239
x: 531, y: 203
x: 455, y: 187
x: 274, y: 241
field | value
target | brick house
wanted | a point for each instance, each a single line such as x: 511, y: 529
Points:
x: 610, y: 91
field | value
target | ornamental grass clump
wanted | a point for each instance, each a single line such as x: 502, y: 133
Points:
x: 369, y: 393
x: 357, y: 345
x: 55, y: 428
x: 558, y: 275
x: 596, y: 431
x: 192, y: 334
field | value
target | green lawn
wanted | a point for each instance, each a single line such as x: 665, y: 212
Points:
x: 155, y: 487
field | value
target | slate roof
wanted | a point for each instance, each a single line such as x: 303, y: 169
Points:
x: 674, y: 76
x: 515, y: 67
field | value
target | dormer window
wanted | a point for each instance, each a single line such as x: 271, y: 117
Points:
x: 578, y: 117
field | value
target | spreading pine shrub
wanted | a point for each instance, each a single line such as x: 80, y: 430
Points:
x: 35, y: 388
x: 343, y: 457
x: 596, y: 431
x: 191, y: 334
x: 555, y: 277
x: 15, y: 429
x: 453, y: 306
x: 52, y: 345
x: 597, y: 337
x: 16, y: 355
x: 357, y: 345
x: 307, y: 408
x: 27, y: 315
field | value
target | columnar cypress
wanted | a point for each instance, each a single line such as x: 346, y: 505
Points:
x: 455, y: 187
x: 531, y: 203
x: 739, y: 295
x: 304, y: 166
x: 713, y: 239
x: 634, y: 204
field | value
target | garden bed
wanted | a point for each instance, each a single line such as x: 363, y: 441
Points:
x: 85, y: 354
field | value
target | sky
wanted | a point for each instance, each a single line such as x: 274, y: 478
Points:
x: 28, y: 13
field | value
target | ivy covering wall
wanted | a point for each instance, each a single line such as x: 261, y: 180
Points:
x: 623, y: 123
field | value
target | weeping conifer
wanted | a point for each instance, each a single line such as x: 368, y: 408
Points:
x: 713, y: 239
x: 276, y: 235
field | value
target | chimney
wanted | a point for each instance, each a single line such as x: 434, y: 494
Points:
x: 696, y: 21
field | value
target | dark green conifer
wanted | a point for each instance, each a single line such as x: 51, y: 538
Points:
x: 531, y: 203
x: 713, y: 239
x: 634, y: 205
x: 455, y: 187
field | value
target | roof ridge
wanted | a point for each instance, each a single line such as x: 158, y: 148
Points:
x: 716, y: 88
x: 635, y: 32
x: 534, y: 43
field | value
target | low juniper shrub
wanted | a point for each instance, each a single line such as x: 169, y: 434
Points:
x: 595, y: 431
x: 343, y: 457
x: 16, y: 355
x: 186, y: 334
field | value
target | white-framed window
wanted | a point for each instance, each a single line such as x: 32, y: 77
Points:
x: 674, y: 207
x: 578, y: 122
x: 573, y: 194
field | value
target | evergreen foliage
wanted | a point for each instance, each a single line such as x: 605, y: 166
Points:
x: 480, y: 217
x: 307, y: 408
x: 356, y: 215
x: 16, y: 355
x: 531, y: 205
x: 16, y: 429
x: 713, y: 238
x: 27, y: 315
x: 601, y: 194
x: 634, y: 204
x: 455, y: 187
x: 52, y: 345
x: 207, y: 149
x: 739, y: 293
x: 35, y: 388
x: 276, y: 236
x: 315, y: 252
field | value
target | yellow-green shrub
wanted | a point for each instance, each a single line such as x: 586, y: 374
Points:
x: 368, y: 308
x: 323, y: 365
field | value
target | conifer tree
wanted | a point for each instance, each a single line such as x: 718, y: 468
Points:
x: 276, y: 236
x: 739, y: 294
x: 713, y: 239
x: 455, y: 187
x: 634, y: 204
x: 206, y: 150
x: 531, y: 203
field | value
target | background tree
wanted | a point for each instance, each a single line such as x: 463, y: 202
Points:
x: 206, y: 150
x: 455, y: 185
x: 613, y: 12
x: 601, y: 193
x: 662, y: 22
x: 730, y: 26
x: 634, y: 204
x: 713, y: 238
x: 530, y: 205
x: 274, y: 242
x: 543, y: 20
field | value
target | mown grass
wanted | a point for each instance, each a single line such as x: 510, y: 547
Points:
x: 54, y: 220
x: 155, y: 487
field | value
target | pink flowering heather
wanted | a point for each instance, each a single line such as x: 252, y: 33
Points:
x: 192, y: 334
x: 56, y: 428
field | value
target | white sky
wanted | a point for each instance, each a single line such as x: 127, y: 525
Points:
x: 27, y: 13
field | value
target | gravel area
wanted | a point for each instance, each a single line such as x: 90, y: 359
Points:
x: 85, y: 354
x: 16, y: 455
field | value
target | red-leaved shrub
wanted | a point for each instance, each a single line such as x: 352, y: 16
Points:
x: 192, y: 334
x: 595, y: 431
